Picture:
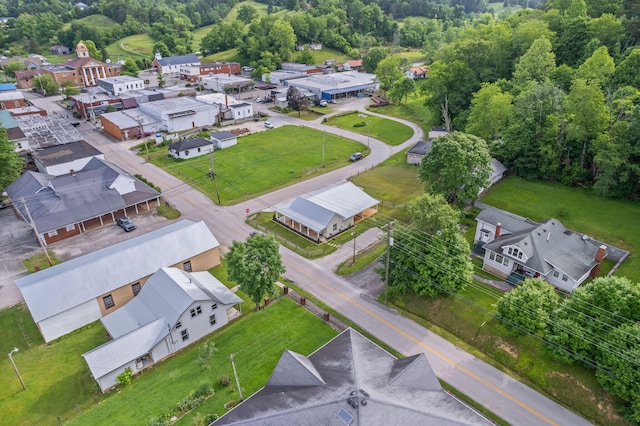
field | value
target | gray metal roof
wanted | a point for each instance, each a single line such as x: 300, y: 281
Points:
x: 347, y: 200
x: 116, y: 353
x: 308, y: 213
x: 421, y: 147
x: 60, y: 154
x: 359, y: 380
x: 179, y: 60
x: 551, y: 245
x: 189, y: 143
x: 223, y: 136
x: 58, y: 201
x: 145, y: 320
x: 64, y: 286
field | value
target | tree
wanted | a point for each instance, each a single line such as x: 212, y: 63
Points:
x: 296, y: 100
x: 537, y: 63
x: 46, y: 84
x: 528, y: 307
x: 390, y: 70
x: 207, y: 350
x: 457, y: 166
x: 11, y: 68
x: 247, y: 13
x: 371, y: 60
x: 71, y: 91
x: 161, y: 80
x: 130, y: 67
x: 431, y: 256
x: 626, y: 73
x: 10, y: 161
x: 402, y: 89
x: 491, y: 109
x: 598, y: 68
x: 306, y: 58
x: 256, y: 265
x: 93, y: 50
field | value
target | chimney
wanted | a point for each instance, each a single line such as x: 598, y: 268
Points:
x: 600, y: 254
x: 498, y: 230
x: 72, y: 172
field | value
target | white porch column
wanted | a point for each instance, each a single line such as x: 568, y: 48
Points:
x: 104, y: 72
x: 84, y: 73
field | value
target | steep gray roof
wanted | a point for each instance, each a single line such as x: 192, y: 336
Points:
x: 509, y: 222
x: 550, y: 245
x: 179, y: 60
x: 421, y: 147
x: 359, y: 381
x: 57, y: 201
x: 64, y: 286
x: 145, y: 320
x: 190, y: 143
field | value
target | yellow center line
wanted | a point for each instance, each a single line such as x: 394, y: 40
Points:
x: 430, y: 349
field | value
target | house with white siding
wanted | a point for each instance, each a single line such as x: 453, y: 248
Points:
x: 191, y: 147
x: 174, y: 309
x: 75, y: 293
x: 327, y: 213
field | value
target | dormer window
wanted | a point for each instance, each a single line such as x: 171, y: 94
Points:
x: 515, y: 252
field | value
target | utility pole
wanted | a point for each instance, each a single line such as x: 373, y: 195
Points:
x: 33, y: 225
x: 323, y: 133
x: 368, y: 132
x: 16, y: 368
x: 213, y: 175
x: 354, y: 248
x: 386, y: 268
x: 233, y: 364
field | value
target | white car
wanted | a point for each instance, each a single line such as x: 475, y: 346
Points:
x: 268, y: 125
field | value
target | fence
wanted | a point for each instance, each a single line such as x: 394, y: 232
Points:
x: 318, y: 311
x: 288, y: 244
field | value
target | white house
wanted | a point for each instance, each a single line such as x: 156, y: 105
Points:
x: 174, y: 309
x: 121, y: 84
x: 516, y: 248
x: 191, y: 147
x: 70, y: 295
x: 231, y: 109
x: 172, y: 64
x: 224, y: 139
x: 328, y: 212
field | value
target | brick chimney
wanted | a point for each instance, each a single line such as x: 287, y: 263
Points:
x: 498, y: 230
x: 600, y: 254
x: 72, y: 172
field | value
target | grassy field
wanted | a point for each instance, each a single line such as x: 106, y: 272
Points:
x: 136, y: 46
x: 263, y: 162
x: 97, y: 21
x: 388, y: 131
x: 612, y: 221
x: 199, y: 34
x: 228, y: 55
x: 41, y: 261
x: 413, y: 110
x: 363, y: 259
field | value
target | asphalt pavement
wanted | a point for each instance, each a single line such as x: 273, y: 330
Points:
x: 511, y: 400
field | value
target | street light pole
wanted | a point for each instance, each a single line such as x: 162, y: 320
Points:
x: 354, y: 248
x: 16, y: 368
x: 368, y: 132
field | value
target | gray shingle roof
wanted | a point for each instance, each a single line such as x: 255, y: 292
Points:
x: 64, y: 286
x: 60, y: 154
x: 190, y: 143
x: 421, y: 147
x: 179, y: 60
x: 57, y: 201
x: 224, y: 135
x: 360, y: 380
x: 509, y: 222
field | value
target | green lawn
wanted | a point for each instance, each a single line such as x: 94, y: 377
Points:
x: 257, y: 342
x: 612, y: 221
x: 199, y: 34
x: 228, y: 55
x: 363, y: 259
x: 263, y: 162
x: 386, y: 130
x: 41, y: 261
x: 97, y: 21
x: 136, y: 46
x: 413, y: 110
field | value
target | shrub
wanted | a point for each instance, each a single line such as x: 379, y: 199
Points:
x: 360, y: 124
x: 124, y: 379
x: 230, y: 404
x: 140, y: 177
x: 163, y: 420
x: 205, y: 389
x: 224, y: 380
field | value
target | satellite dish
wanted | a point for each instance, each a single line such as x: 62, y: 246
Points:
x: 108, y: 61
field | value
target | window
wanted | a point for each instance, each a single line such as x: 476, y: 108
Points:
x: 186, y: 152
x: 2, y: 105
x: 196, y: 311
x: 178, y: 325
x: 52, y: 233
x: 214, y: 306
x: 108, y: 301
x: 556, y: 274
x: 17, y: 103
x: 185, y: 334
x: 136, y: 288
x: 71, y: 228
x: 335, y: 226
x: 564, y: 278
x: 187, y: 266
x: 212, y: 319
x: 198, y: 149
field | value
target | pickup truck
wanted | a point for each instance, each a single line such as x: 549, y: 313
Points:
x: 126, y: 224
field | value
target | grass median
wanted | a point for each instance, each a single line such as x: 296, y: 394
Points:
x: 388, y: 131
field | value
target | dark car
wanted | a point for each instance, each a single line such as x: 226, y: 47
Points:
x: 126, y: 224
x: 355, y: 157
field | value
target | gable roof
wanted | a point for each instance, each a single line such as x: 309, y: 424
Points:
x: 57, y: 201
x: 316, y: 210
x: 223, y: 136
x: 355, y: 63
x: 64, y: 286
x: 509, y: 222
x: 179, y: 60
x: 148, y: 318
x: 60, y: 154
x: 352, y: 378
x: 550, y: 245
x: 190, y: 143
x: 421, y: 147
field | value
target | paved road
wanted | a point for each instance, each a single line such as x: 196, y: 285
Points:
x: 508, y: 398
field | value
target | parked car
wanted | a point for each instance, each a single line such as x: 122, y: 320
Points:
x: 332, y: 101
x: 268, y: 125
x: 126, y: 224
x: 323, y: 103
x: 355, y: 157
x: 258, y: 99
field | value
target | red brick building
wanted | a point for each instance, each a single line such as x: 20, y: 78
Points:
x: 193, y: 72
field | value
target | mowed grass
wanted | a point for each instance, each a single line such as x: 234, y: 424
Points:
x: 413, y: 110
x: 228, y: 55
x: 137, y: 47
x: 97, y: 21
x: 612, y: 221
x: 388, y: 131
x: 56, y: 376
x: 263, y: 162
x: 257, y: 341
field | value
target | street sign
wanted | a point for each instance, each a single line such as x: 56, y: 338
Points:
x: 247, y: 211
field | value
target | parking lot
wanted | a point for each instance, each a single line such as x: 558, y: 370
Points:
x: 18, y: 242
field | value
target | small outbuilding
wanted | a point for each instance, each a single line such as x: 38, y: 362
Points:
x: 223, y: 140
x: 191, y: 147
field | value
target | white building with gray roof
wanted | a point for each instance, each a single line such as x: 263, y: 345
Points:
x: 191, y: 147
x: 328, y: 212
x: 181, y: 113
x: 352, y: 381
x: 174, y: 309
x: 67, y: 296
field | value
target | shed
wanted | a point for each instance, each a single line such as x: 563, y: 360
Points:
x: 192, y: 147
x: 224, y: 139
x: 419, y: 150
